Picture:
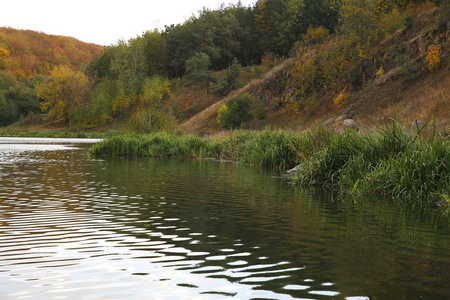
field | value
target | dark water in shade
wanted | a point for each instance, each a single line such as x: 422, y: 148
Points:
x: 75, y: 227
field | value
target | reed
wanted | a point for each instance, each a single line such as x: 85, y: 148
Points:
x: 393, y: 161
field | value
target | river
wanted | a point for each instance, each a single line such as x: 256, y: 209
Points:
x: 79, y: 227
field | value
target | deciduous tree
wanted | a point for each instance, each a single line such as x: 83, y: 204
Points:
x: 68, y: 90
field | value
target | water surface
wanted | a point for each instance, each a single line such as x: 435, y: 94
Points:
x: 77, y: 227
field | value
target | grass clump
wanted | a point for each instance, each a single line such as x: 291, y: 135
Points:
x: 269, y: 148
x: 158, y: 144
x: 392, y: 162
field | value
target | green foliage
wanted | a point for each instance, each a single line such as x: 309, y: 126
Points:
x: 155, y: 53
x: 198, y: 70
x: 149, y: 114
x: 128, y: 62
x: 401, y: 60
x: 8, y: 111
x: 392, y: 162
x: 155, y: 90
x: 18, y: 99
x: 230, y: 82
x: 7, y: 80
x: 96, y: 113
x: 100, y: 68
x: 236, y: 112
x: 24, y: 96
x: 152, y: 120
x: 409, y: 72
x: 159, y: 144
x: 270, y: 149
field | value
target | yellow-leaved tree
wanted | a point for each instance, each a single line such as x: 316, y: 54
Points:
x: 68, y: 90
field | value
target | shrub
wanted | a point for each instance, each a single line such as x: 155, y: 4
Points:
x: 152, y: 119
x: 235, y: 112
x: 341, y: 99
x: 380, y: 72
x: 230, y: 82
x: 315, y: 35
x: 433, y: 57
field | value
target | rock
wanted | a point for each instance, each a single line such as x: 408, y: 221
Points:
x: 294, y: 169
x: 350, y: 124
x: 328, y: 122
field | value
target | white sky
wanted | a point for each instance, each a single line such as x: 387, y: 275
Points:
x: 102, y: 22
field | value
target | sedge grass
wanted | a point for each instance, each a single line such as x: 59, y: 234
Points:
x: 391, y: 162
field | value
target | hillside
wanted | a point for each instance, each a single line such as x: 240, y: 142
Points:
x: 25, y: 52
x: 407, y: 92
x: 396, y: 67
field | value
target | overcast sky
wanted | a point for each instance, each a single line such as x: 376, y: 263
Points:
x: 102, y: 22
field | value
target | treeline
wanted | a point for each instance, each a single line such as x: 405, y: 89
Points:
x: 233, y: 31
x: 132, y: 79
x: 28, y: 58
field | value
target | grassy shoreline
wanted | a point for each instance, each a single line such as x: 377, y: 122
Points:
x: 392, y: 162
x: 58, y: 134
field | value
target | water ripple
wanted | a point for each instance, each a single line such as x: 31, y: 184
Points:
x: 134, y: 228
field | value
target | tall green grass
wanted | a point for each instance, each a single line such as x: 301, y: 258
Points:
x: 268, y: 148
x: 391, y: 162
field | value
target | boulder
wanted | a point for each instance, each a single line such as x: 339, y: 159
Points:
x: 350, y: 124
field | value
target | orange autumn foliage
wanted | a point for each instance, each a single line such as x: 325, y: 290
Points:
x: 30, y: 52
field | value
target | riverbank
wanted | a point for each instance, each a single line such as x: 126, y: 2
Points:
x: 58, y: 134
x: 392, y: 162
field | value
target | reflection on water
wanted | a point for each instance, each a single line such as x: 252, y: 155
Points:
x: 73, y: 226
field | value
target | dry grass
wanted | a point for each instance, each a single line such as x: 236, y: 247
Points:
x: 429, y: 97
x: 205, y: 121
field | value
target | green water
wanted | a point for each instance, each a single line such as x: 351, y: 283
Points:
x: 77, y: 227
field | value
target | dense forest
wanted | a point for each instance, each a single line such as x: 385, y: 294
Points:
x: 134, y: 79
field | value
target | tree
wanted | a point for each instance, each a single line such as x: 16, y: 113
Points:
x: 24, y: 97
x: 235, y: 112
x: 4, y: 52
x: 155, y: 53
x: 18, y: 98
x: 230, y: 82
x: 359, y: 22
x: 68, y: 90
x: 198, y: 69
x: 100, y: 68
x: 227, y: 38
x: 129, y: 64
x: 8, y: 111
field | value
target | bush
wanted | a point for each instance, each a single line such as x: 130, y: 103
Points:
x: 235, y: 112
x: 433, y: 57
x: 152, y: 119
